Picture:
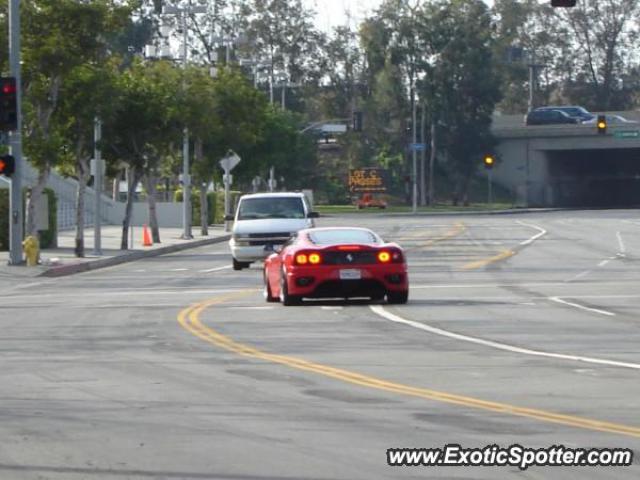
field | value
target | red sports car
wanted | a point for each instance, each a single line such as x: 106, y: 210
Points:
x: 336, y: 263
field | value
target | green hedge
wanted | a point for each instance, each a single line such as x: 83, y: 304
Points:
x: 48, y: 238
x: 216, y: 205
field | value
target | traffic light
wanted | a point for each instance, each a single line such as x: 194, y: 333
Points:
x: 8, y: 104
x: 602, y: 125
x: 489, y: 161
x: 7, y: 165
x: 563, y: 3
x: 357, y: 121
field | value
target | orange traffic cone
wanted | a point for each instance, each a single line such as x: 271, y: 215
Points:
x: 146, y: 238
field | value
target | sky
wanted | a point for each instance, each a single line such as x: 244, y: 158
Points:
x: 332, y: 13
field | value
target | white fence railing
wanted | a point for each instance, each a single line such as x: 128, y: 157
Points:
x: 66, y: 190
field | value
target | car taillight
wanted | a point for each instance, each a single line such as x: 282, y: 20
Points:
x: 390, y: 256
x: 384, y: 257
x: 315, y: 259
x: 307, y: 258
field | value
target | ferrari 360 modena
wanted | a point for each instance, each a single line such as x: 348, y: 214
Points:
x: 336, y: 262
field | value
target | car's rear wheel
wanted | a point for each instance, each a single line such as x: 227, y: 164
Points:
x: 268, y: 296
x: 286, y: 299
x: 398, y: 297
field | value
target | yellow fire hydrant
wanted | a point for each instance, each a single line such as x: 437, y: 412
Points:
x: 31, y: 250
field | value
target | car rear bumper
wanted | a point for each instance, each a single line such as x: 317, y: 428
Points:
x: 325, y: 282
x: 249, y: 253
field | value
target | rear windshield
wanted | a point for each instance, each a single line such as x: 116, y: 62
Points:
x: 330, y: 237
x: 271, y: 207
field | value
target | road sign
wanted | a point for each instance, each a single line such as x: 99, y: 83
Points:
x: 367, y: 180
x: 230, y: 161
x: 418, y: 147
x: 627, y: 134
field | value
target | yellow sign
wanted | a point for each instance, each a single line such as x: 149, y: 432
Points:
x: 367, y: 180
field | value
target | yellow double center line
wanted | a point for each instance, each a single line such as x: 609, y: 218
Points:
x: 189, y: 319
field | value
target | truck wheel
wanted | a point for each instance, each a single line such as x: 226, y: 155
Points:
x: 238, y: 265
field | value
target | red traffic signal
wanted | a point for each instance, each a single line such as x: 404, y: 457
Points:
x: 7, y: 165
x: 8, y: 104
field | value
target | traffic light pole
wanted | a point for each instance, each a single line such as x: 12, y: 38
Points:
x: 490, y: 189
x: 15, y: 140
x: 97, y: 187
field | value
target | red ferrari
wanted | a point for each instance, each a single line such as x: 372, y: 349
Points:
x: 336, y: 263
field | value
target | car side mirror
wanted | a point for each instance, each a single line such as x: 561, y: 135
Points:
x: 228, y: 218
x: 313, y: 215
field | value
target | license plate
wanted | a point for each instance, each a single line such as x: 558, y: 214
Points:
x: 351, y: 274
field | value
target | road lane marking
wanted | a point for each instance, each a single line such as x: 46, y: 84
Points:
x: 578, y: 276
x: 487, y: 261
x: 604, y: 262
x: 457, y: 229
x: 178, y: 270
x: 27, y: 285
x: 217, y: 269
x: 582, y: 307
x: 542, y: 232
x: 270, y: 307
x: 507, y: 253
x: 189, y: 319
x: 379, y: 310
x: 621, y: 246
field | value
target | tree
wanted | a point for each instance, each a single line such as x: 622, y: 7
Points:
x: 58, y: 36
x: 84, y: 96
x: 143, y: 126
x: 462, y: 83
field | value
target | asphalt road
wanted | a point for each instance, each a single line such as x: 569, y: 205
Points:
x: 520, y: 329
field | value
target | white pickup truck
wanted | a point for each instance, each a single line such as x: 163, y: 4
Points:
x: 264, y: 220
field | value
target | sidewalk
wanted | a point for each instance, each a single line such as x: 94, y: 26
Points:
x: 61, y: 261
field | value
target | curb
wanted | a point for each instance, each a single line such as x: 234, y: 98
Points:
x: 72, y: 269
x: 511, y: 211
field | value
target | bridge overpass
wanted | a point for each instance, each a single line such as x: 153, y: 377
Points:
x: 569, y: 165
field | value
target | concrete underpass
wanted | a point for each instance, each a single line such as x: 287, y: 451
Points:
x: 569, y: 166
x: 595, y: 178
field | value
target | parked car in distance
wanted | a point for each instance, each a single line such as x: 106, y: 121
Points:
x: 265, y: 220
x: 612, y: 120
x: 575, y: 111
x: 549, y: 117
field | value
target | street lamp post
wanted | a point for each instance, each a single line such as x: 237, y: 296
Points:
x: 15, y: 139
x: 414, y: 208
x: 183, y: 12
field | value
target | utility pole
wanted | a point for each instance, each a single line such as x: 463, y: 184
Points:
x: 15, y: 139
x: 186, y: 177
x: 183, y: 12
x: 413, y: 150
x: 432, y: 161
x: 423, y: 156
x: 97, y: 187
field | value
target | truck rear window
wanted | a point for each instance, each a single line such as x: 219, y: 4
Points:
x: 273, y: 207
